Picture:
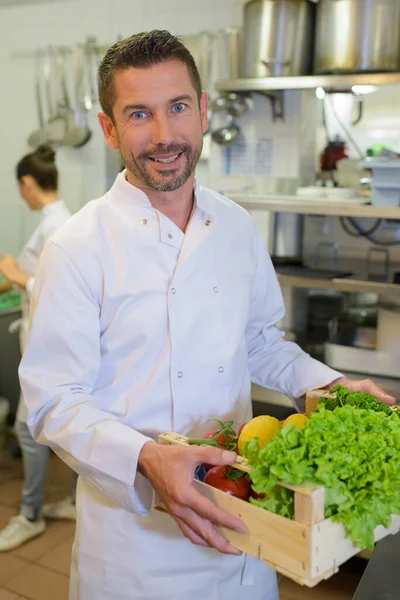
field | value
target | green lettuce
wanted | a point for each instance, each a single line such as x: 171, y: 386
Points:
x: 353, y: 452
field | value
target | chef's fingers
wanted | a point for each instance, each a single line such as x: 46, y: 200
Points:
x: 207, y: 510
x: 190, y: 534
x: 367, y: 385
x: 212, y: 456
x: 205, y: 530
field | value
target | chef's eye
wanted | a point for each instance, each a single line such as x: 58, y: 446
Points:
x: 180, y: 107
x: 139, y: 114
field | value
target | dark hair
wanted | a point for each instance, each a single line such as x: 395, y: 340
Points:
x: 40, y: 165
x: 142, y: 50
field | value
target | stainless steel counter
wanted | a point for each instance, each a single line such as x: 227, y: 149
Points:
x: 381, y: 579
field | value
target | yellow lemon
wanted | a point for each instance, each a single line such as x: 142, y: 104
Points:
x: 297, y: 419
x: 263, y: 427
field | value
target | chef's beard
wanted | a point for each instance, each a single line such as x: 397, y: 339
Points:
x: 167, y: 180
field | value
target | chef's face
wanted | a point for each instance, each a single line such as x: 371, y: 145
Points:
x: 158, y: 124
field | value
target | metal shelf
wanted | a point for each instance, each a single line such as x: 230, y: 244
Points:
x: 341, y: 284
x: 307, y: 82
x: 300, y: 205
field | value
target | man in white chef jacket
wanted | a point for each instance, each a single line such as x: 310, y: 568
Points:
x: 172, y: 301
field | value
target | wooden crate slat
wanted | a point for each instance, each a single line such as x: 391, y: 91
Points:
x: 330, y: 548
x: 273, y: 539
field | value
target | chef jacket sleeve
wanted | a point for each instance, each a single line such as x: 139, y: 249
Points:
x: 30, y: 284
x: 57, y: 374
x: 275, y: 363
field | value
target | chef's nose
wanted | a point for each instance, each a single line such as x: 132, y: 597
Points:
x: 162, y: 130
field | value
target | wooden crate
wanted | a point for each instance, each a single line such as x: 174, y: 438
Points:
x: 308, y: 548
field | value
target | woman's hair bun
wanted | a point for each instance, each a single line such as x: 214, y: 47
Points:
x: 46, y: 154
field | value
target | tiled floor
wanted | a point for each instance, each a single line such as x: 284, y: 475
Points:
x: 39, y: 570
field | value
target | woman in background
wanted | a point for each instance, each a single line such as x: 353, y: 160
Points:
x: 37, y: 178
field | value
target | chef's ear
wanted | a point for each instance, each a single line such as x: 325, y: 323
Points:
x: 110, y: 133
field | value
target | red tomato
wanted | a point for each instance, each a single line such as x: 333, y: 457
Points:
x: 218, y: 478
x: 256, y: 496
x: 241, y: 427
x: 220, y: 439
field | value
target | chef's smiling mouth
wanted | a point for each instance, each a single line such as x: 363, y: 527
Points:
x: 165, y: 158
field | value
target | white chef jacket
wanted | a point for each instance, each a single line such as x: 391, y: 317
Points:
x: 52, y: 216
x: 161, y: 332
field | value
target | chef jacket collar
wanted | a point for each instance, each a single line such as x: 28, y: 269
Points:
x: 122, y: 189
x: 51, y: 208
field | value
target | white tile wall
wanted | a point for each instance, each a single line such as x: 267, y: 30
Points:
x: 25, y: 28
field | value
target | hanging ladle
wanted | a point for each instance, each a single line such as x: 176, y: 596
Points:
x: 227, y: 134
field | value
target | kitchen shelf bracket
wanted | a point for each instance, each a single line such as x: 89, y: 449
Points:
x: 276, y: 99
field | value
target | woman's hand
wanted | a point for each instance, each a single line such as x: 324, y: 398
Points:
x: 9, y: 268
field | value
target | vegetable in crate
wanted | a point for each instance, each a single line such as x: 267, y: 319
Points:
x: 224, y: 437
x: 263, y: 427
x: 353, y: 452
x: 229, y: 480
x: 359, y: 399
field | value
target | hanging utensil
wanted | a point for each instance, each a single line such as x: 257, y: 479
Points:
x: 40, y: 136
x: 227, y: 134
x: 93, y: 63
x: 55, y: 117
x: 237, y: 105
x: 78, y: 132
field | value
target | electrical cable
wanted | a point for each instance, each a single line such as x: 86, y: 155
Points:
x: 374, y: 227
x: 366, y: 234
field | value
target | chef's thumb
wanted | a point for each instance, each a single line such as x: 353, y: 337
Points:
x: 215, y: 456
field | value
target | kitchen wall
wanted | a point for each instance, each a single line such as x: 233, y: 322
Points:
x: 25, y: 28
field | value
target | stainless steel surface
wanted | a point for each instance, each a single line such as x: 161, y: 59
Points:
x: 381, y: 579
x: 307, y: 82
x: 227, y: 134
x: 388, y: 333
x: 41, y: 135
x: 297, y: 205
x: 78, y: 132
x: 56, y: 115
x: 229, y: 45
x: 384, y: 274
x: 360, y: 360
x: 357, y: 35
x: 278, y: 37
x: 237, y: 105
x: 344, y: 284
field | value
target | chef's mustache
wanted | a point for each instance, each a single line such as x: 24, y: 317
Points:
x: 161, y: 149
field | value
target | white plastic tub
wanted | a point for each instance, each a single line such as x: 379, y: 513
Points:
x: 385, y: 172
x: 385, y: 195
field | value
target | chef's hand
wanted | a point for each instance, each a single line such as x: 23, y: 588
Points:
x: 364, y: 385
x: 170, y: 470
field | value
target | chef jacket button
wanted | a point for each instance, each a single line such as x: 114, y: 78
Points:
x: 215, y: 290
x: 208, y: 222
x: 221, y: 369
x: 144, y: 221
x: 180, y: 374
x: 170, y: 236
x: 173, y: 290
